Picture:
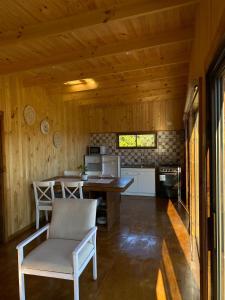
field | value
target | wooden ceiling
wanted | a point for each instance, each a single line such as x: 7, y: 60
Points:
x: 134, y: 50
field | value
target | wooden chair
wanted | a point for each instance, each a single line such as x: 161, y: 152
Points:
x: 70, y: 189
x: 44, y: 195
x: 70, y: 244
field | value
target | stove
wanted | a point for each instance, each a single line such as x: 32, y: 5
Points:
x: 169, y: 178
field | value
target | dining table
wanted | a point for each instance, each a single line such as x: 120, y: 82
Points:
x: 107, y: 188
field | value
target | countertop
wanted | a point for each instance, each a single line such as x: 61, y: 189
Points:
x: 118, y: 184
x: 138, y: 166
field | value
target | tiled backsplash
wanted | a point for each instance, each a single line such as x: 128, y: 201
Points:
x: 170, y: 149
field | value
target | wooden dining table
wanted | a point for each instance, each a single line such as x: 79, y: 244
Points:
x: 108, y: 188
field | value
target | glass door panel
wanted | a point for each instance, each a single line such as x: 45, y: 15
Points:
x: 196, y: 178
x: 194, y: 172
x: 218, y: 185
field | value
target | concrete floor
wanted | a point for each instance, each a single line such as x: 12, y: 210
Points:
x: 146, y: 256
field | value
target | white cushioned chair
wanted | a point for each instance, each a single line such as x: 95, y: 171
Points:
x: 70, y: 244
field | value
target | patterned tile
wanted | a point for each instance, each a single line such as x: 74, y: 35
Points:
x: 170, y: 148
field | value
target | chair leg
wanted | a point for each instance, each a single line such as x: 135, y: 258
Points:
x: 94, y: 259
x: 37, y: 218
x: 46, y: 215
x: 21, y: 286
x: 76, y: 287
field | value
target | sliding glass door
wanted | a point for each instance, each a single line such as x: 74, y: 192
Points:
x: 216, y: 86
x: 195, y: 216
x: 192, y: 156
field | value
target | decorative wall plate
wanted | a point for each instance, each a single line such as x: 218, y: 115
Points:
x: 29, y: 115
x: 44, y: 126
x: 57, y: 139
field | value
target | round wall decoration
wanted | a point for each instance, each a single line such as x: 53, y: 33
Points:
x: 29, y: 115
x: 57, y: 139
x: 44, y: 126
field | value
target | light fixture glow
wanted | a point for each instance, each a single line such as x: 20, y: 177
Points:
x: 81, y: 84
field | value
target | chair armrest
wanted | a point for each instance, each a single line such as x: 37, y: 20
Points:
x: 85, y: 240
x: 32, y: 237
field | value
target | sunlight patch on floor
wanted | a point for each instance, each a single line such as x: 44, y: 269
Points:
x: 160, y: 287
x: 183, y: 238
x: 170, y: 274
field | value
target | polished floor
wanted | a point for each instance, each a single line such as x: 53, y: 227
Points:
x: 146, y: 257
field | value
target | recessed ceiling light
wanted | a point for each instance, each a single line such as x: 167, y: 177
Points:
x: 74, y: 82
x: 82, y: 84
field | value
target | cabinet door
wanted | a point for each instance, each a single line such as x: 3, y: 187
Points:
x: 147, y: 182
x: 134, y: 188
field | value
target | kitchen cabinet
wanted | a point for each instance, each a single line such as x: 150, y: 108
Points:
x: 144, y: 181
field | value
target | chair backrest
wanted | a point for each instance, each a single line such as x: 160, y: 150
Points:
x: 70, y: 189
x: 43, y: 191
x: 72, y: 218
x: 71, y: 173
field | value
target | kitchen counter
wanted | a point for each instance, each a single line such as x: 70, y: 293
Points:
x: 144, y: 179
x: 139, y: 166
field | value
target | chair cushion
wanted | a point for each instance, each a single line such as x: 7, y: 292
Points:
x: 72, y: 218
x: 55, y: 255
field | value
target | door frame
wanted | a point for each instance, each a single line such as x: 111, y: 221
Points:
x: 203, y: 186
x: 3, y: 236
x: 203, y: 195
x: 187, y: 159
x: 195, y: 184
x: 216, y: 68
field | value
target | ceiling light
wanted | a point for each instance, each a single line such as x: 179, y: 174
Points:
x: 81, y: 84
x: 74, y: 82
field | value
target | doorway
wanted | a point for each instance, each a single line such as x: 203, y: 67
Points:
x: 2, y: 207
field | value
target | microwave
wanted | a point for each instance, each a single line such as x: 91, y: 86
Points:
x: 99, y: 150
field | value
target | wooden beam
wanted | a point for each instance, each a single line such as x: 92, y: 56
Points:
x: 127, y: 99
x: 87, y: 19
x: 148, y: 85
x: 145, y: 42
x: 127, y: 94
x: 163, y: 79
x: 130, y: 101
x: 63, y: 76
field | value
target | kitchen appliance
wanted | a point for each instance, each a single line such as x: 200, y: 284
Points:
x: 111, y: 165
x: 103, y: 165
x: 93, y: 164
x: 169, y: 182
x: 97, y: 150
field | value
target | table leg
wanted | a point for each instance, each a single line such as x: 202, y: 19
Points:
x: 113, y: 208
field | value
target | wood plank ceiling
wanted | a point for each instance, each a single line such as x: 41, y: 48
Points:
x: 134, y: 50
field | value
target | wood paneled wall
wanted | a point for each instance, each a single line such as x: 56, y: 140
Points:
x: 209, y: 34
x: 153, y: 115
x: 30, y: 155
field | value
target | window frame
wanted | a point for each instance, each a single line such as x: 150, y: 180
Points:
x: 136, y: 133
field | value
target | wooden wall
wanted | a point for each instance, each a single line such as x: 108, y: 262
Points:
x: 153, y: 115
x: 30, y: 155
x: 209, y: 34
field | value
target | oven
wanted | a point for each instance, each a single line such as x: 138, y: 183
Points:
x: 169, y: 182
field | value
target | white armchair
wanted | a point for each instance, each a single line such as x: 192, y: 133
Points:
x: 70, y: 244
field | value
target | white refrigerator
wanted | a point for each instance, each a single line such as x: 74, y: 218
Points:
x: 111, y: 165
x: 103, y: 165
